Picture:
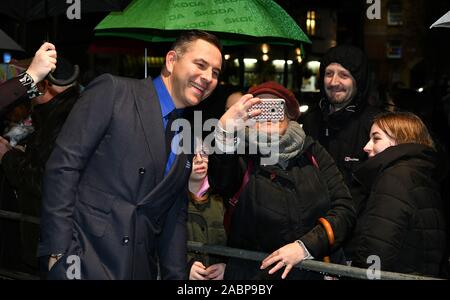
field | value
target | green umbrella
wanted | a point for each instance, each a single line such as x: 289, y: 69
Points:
x: 234, y: 21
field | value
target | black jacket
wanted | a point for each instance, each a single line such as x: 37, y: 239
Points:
x: 10, y: 91
x: 400, y: 215
x: 25, y: 170
x: 344, y: 132
x: 280, y: 206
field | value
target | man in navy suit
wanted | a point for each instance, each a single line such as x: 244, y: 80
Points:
x: 114, y: 204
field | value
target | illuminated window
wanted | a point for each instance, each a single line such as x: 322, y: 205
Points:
x: 394, y: 49
x: 311, y: 22
x: 395, y: 14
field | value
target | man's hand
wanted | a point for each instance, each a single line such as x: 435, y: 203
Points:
x: 52, y: 261
x: 4, y: 147
x: 44, y: 62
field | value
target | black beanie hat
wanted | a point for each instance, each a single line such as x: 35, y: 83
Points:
x: 355, y: 61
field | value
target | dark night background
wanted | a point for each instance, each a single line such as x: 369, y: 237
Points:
x: 410, y: 62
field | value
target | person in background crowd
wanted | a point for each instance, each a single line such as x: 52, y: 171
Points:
x: 205, y: 222
x: 25, y: 84
x: 206, y: 207
x: 342, y: 121
x: 24, y: 167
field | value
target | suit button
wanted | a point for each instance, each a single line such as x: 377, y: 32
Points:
x: 125, y: 240
x: 141, y: 171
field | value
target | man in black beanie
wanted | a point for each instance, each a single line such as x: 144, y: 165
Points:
x: 24, y: 167
x: 342, y: 121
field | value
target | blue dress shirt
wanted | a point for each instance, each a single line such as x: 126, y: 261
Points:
x: 167, y: 106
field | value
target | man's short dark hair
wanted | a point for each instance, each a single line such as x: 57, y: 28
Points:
x: 180, y: 45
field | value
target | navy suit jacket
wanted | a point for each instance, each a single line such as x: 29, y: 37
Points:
x: 106, y: 202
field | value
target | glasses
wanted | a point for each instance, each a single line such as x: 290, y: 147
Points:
x: 203, y: 157
x: 201, y: 151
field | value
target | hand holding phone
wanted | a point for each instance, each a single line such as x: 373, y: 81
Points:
x: 271, y: 110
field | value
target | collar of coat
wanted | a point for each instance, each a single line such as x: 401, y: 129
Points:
x: 424, y: 158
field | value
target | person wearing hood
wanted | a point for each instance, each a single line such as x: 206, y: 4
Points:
x: 24, y: 168
x: 275, y: 205
x: 400, y: 219
x: 343, y: 118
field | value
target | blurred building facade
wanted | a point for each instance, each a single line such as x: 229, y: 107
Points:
x: 396, y: 42
x: 399, y: 44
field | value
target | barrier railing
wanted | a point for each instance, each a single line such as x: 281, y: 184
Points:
x: 14, y: 275
x: 4, y: 214
x: 310, y: 265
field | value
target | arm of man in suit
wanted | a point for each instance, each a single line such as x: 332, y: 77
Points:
x: 78, y: 139
x: 172, y: 244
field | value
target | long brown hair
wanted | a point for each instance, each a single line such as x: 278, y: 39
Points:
x: 404, y: 127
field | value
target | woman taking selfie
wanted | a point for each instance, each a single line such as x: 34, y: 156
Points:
x: 276, y: 205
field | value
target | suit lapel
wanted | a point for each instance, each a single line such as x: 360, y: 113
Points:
x: 149, y: 111
x: 174, y: 181
x: 177, y: 176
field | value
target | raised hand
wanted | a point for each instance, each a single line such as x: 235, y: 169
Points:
x: 44, y: 62
x: 237, y: 117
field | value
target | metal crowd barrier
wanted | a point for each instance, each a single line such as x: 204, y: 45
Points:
x: 309, y: 265
x: 4, y: 214
x: 14, y: 275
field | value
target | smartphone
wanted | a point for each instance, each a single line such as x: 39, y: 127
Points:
x: 271, y: 110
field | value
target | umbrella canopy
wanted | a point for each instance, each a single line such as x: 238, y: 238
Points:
x: 7, y: 43
x: 443, y: 21
x: 29, y: 10
x: 235, y: 22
